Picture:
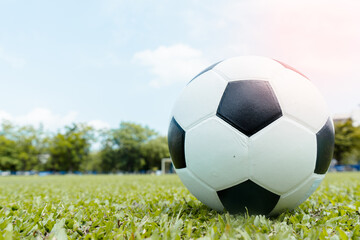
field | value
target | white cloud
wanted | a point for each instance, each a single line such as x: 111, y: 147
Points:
x: 169, y: 64
x: 99, y: 124
x: 5, y: 116
x: 39, y: 116
x: 14, y: 62
x: 50, y: 121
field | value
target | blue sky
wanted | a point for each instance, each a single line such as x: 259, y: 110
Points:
x: 103, y: 62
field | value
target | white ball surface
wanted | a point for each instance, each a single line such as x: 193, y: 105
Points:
x: 251, y: 134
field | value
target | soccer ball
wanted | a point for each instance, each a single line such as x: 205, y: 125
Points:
x: 251, y: 134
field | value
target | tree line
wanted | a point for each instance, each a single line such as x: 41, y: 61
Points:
x: 78, y: 147
x: 131, y: 147
x: 347, y: 142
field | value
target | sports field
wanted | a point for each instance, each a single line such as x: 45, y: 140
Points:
x: 160, y: 207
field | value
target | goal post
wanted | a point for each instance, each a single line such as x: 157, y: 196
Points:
x: 166, y: 166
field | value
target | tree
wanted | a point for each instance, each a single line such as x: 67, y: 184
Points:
x: 347, y: 142
x: 122, y: 150
x: 20, y: 147
x: 70, y: 149
x: 154, y: 150
x: 131, y: 147
x: 31, y: 143
x: 92, y: 162
x: 8, y: 160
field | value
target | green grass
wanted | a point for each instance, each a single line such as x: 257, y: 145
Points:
x: 132, y: 207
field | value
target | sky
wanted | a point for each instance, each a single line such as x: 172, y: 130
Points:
x: 103, y: 62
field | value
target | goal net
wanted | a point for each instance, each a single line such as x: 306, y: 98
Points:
x: 166, y: 166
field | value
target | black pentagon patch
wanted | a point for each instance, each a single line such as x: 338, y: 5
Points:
x: 291, y: 68
x: 248, y: 197
x: 325, y: 139
x: 205, y: 70
x: 176, y: 141
x: 249, y: 105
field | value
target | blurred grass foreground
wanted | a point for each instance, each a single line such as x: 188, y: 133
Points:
x: 160, y: 207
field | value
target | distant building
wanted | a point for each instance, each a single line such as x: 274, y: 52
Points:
x: 354, y: 116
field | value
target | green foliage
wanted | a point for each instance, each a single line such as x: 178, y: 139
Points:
x: 8, y: 152
x: 154, y: 150
x: 70, y: 149
x: 132, y: 147
x: 347, y: 142
x: 159, y: 207
x: 92, y: 163
x: 20, y: 147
